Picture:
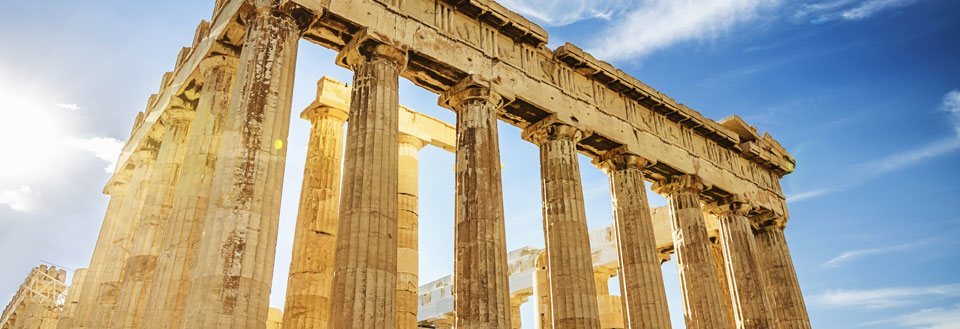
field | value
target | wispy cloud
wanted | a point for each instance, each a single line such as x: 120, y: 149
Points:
x: 806, y: 195
x: 951, y: 105
x: 905, y: 159
x: 559, y: 13
x: 885, y: 297
x: 657, y: 24
x: 846, y: 10
x: 912, y: 157
x: 104, y: 148
x: 67, y: 106
x: 850, y: 255
x: 16, y: 199
x: 931, y: 318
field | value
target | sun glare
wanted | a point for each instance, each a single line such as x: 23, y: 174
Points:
x: 31, y: 131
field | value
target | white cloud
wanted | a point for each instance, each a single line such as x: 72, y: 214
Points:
x: 869, y: 8
x: 797, y: 197
x: 850, y: 255
x: 657, y: 24
x: 951, y: 105
x: 104, y: 148
x: 16, y: 199
x: 66, y: 106
x: 915, y: 156
x: 931, y: 318
x: 885, y: 297
x: 905, y: 159
x: 559, y: 13
x: 847, y: 10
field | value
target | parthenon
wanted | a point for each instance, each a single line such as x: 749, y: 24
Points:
x: 189, y: 236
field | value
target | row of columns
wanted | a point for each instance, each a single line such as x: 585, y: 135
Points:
x: 189, y: 239
x: 196, y: 224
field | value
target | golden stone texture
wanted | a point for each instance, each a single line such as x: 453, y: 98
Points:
x: 314, y: 241
x: 365, y: 269
x: 189, y: 237
x: 230, y: 284
x: 482, y: 298
x: 750, y: 305
x: 36, y: 304
x: 178, y: 252
x: 572, y: 289
x: 703, y: 305
x: 641, y: 282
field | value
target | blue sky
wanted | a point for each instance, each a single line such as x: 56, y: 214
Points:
x: 864, y: 93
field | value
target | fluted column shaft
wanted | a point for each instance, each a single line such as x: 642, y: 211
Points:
x: 109, y: 278
x: 69, y: 315
x: 178, y: 251
x: 750, y: 304
x: 515, y: 303
x: 702, y: 299
x: 365, y: 270
x: 716, y: 249
x: 543, y: 318
x: 481, y: 283
x: 407, y: 223
x: 141, y: 266
x: 230, y: 284
x: 641, y: 282
x: 98, y: 262
x: 610, y: 306
x: 315, y: 237
x: 567, y: 240
x: 782, y: 285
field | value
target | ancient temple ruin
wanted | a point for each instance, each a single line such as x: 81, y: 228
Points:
x: 189, y: 237
x: 39, y: 302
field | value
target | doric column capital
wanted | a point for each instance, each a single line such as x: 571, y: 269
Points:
x: 286, y: 9
x: 317, y: 112
x: 178, y: 114
x: 115, y: 188
x: 732, y: 205
x: 772, y: 224
x: 550, y: 129
x: 411, y: 141
x: 664, y: 256
x: 365, y: 47
x: 208, y: 64
x: 681, y: 183
x: 472, y: 88
x: 145, y: 154
x: 620, y: 159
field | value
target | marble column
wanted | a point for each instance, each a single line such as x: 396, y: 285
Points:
x: 750, y: 305
x: 610, y: 306
x: 541, y: 291
x: 88, y: 289
x: 480, y: 277
x: 140, y: 267
x: 515, y: 303
x: 111, y: 274
x: 365, y: 269
x: 407, y: 223
x: 783, y: 289
x: 69, y: 315
x: 702, y: 299
x: 716, y: 250
x: 315, y: 237
x: 567, y: 240
x: 641, y: 282
x: 178, y: 251
x: 230, y: 284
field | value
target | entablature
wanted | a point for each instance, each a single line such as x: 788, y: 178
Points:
x: 614, y: 109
